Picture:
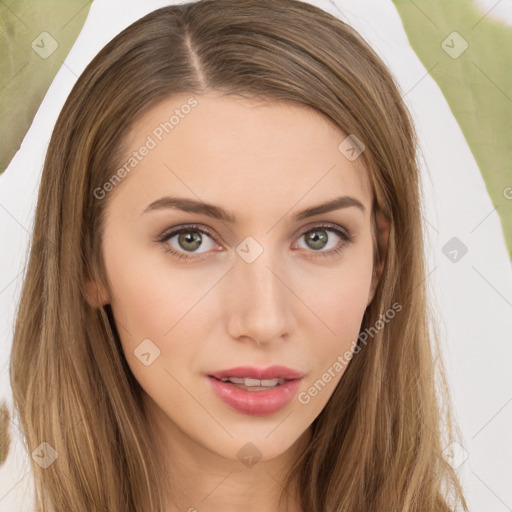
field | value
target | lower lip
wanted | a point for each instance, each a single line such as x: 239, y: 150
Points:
x: 256, y: 403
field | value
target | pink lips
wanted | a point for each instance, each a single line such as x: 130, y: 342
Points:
x: 263, y: 402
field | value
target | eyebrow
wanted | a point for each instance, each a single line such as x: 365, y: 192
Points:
x: 216, y: 212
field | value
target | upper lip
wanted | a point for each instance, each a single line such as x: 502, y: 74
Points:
x: 252, y: 372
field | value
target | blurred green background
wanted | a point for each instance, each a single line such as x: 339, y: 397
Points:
x: 477, y: 84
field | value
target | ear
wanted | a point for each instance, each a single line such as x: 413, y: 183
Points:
x: 96, y: 294
x: 382, y: 227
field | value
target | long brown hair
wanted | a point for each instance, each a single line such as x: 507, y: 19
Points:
x: 377, y: 445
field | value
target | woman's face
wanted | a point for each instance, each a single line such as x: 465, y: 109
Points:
x: 250, y: 281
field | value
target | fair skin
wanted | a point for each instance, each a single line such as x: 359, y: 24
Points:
x: 264, y: 163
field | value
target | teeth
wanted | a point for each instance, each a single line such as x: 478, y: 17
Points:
x: 248, y: 382
x: 271, y: 382
x: 234, y: 380
x: 251, y: 382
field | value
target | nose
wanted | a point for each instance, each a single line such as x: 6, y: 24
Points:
x: 260, y: 301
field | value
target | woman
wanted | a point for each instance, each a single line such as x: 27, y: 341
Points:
x: 228, y: 242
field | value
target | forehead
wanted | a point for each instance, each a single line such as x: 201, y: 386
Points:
x: 246, y: 153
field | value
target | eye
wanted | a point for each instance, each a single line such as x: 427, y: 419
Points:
x: 192, y: 237
x: 188, y: 239
x: 318, y: 238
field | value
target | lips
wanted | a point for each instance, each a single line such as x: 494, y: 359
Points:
x: 256, y: 399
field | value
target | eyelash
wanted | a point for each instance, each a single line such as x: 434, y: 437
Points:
x: 167, y: 235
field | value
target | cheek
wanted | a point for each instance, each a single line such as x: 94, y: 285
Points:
x: 152, y: 311
x: 154, y: 299
x: 149, y: 305
x: 340, y: 304
x: 144, y: 304
x: 340, y: 296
